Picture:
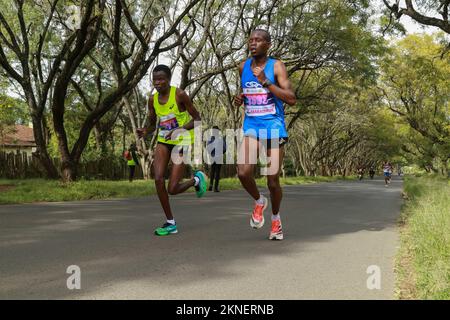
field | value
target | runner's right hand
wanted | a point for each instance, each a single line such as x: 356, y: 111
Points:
x: 141, y: 132
x: 239, y: 100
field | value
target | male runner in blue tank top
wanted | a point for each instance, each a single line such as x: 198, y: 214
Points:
x: 266, y: 87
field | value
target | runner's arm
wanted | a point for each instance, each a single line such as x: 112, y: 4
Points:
x: 189, y: 107
x: 239, y: 98
x: 151, y: 127
x: 283, y: 89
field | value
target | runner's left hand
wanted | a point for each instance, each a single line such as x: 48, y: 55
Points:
x: 173, y: 134
x: 168, y: 135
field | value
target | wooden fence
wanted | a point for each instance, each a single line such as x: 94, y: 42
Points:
x: 17, y: 165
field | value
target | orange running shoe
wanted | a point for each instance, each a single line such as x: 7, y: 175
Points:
x: 257, y: 219
x: 276, y: 232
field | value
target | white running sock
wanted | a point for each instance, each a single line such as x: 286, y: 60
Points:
x: 172, y: 222
x: 260, y: 200
x: 196, y: 181
x: 275, y: 216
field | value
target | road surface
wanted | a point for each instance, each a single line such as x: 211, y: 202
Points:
x: 335, y: 233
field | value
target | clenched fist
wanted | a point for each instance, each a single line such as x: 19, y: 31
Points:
x: 141, y: 132
x: 239, y: 100
x: 259, y: 74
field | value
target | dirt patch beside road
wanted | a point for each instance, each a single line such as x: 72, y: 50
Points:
x: 6, y: 187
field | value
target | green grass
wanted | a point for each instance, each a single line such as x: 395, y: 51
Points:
x: 423, y: 261
x: 40, y: 190
x: 234, y: 183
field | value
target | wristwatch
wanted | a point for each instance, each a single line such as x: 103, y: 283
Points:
x: 267, y: 83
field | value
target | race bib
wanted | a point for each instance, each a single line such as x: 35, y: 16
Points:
x: 167, y: 123
x: 259, y: 102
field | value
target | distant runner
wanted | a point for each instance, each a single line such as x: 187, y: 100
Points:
x: 387, y: 171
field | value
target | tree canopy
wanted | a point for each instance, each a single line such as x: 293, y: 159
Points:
x: 79, y: 71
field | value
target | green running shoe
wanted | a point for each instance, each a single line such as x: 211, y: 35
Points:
x: 201, y: 188
x: 166, y: 229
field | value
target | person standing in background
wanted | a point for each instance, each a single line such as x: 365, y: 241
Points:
x: 216, y: 149
x: 132, y: 160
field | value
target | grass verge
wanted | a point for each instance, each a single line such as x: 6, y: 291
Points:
x: 423, y: 261
x: 40, y: 190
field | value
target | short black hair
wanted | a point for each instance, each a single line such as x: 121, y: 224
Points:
x: 215, y: 127
x: 163, y: 68
x: 266, y: 34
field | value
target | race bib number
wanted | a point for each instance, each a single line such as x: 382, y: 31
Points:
x: 167, y: 123
x: 259, y: 102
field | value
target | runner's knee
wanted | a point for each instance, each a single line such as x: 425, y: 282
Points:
x: 172, y: 189
x: 273, y: 183
x: 159, y: 179
x: 244, y: 173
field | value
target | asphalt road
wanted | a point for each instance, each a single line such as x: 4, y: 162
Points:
x: 334, y: 232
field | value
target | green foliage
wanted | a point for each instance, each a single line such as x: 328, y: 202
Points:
x: 384, y: 130
x: 12, y: 111
x: 415, y: 81
x: 326, y: 33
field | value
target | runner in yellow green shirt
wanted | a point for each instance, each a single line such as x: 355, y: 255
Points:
x: 176, y: 114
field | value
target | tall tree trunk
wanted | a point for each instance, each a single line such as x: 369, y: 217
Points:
x: 42, y: 154
x: 69, y: 170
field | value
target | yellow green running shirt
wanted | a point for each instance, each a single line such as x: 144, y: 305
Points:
x: 170, y: 118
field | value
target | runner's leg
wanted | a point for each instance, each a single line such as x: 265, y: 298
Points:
x: 273, y: 179
x: 217, y: 177
x: 211, y: 175
x: 275, y: 156
x: 248, y: 147
x: 162, y: 157
x: 175, y: 186
x: 246, y: 162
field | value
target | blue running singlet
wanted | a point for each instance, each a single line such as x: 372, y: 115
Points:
x: 264, y: 113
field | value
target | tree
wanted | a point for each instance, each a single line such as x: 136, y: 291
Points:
x: 45, y: 66
x: 351, y: 131
x: 436, y: 12
x: 414, y: 84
